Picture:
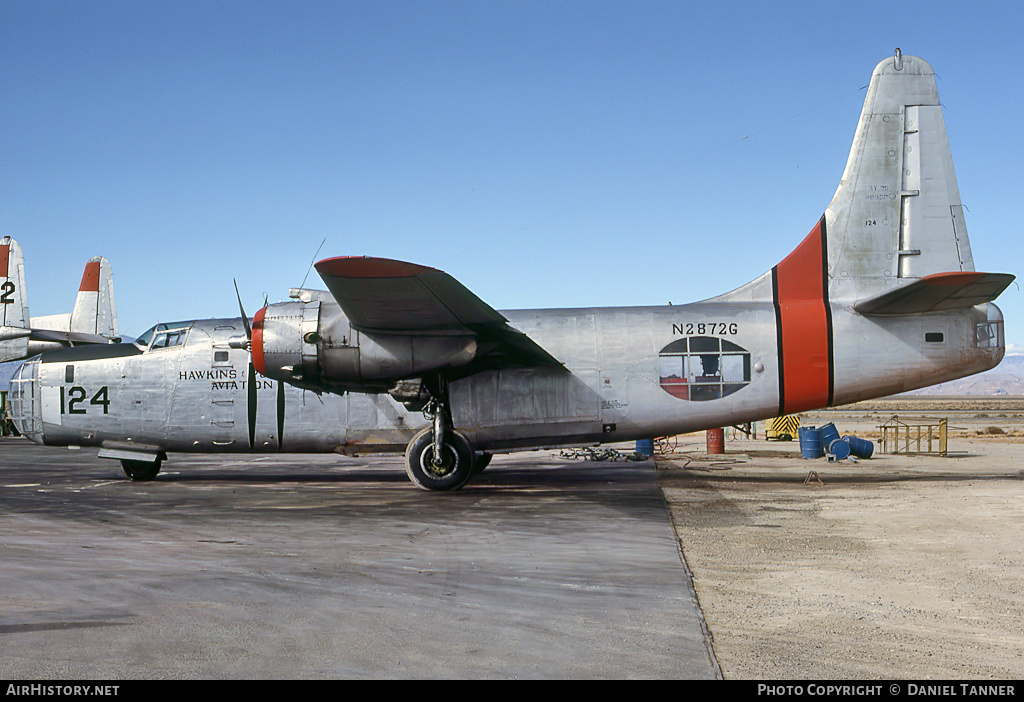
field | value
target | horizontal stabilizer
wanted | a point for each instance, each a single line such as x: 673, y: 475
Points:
x: 68, y: 338
x: 13, y: 347
x: 382, y: 296
x: 938, y: 292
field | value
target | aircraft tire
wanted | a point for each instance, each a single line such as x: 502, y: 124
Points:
x: 140, y: 471
x: 456, y: 468
x: 481, y: 461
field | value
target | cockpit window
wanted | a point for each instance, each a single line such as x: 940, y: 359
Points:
x: 163, y: 336
x: 165, y: 340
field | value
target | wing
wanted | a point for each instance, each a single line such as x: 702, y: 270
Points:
x: 381, y: 296
x: 938, y: 292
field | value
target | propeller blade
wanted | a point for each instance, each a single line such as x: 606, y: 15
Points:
x: 245, y: 317
x: 251, y: 399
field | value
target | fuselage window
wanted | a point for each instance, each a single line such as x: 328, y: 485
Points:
x: 988, y: 331
x: 988, y: 335
x: 703, y: 368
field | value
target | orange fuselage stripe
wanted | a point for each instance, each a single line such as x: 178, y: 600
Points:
x: 804, y: 326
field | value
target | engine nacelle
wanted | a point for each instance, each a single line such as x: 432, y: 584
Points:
x: 310, y: 343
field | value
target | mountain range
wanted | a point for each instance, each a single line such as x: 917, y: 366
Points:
x: 1005, y: 379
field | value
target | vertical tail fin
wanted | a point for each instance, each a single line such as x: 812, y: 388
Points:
x: 95, y: 311
x: 13, y: 303
x: 896, y: 216
x: 14, y: 318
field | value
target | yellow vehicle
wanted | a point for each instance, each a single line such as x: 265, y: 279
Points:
x: 783, y: 428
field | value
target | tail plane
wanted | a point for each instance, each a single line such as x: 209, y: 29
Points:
x: 896, y: 216
x: 892, y: 242
x: 95, y: 311
x: 93, y: 320
x: 14, y: 318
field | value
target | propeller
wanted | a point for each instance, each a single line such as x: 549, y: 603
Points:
x: 251, y: 377
x: 245, y: 323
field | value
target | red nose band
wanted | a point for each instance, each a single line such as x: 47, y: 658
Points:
x: 257, y: 342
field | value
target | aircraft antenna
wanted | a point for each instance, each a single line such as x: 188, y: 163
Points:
x: 312, y: 261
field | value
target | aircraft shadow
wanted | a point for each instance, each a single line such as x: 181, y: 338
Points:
x: 245, y: 476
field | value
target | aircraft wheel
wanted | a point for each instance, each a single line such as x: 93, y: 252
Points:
x: 140, y: 471
x: 481, y: 461
x: 456, y: 465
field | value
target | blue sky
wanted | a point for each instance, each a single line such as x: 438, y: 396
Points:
x: 550, y: 154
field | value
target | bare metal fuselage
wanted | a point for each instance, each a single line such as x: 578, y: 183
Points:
x: 627, y: 376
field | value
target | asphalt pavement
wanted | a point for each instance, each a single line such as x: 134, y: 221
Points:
x: 324, y: 566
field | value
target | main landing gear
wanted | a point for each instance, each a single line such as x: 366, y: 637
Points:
x: 438, y: 457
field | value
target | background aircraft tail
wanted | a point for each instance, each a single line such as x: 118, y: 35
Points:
x: 95, y: 311
x: 13, y: 304
x: 93, y: 320
x: 14, y: 317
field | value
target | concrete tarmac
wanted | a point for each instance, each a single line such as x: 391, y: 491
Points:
x: 332, y: 567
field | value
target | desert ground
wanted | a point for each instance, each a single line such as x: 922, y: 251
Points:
x: 898, y: 566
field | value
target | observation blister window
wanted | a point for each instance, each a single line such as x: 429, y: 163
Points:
x: 703, y: 368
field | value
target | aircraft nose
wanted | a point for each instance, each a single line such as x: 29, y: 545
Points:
x: 23, y: 401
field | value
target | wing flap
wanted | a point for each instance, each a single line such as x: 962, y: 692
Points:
x: 937, y: 293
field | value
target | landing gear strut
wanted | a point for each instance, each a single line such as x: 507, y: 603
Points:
x: 438, y: 457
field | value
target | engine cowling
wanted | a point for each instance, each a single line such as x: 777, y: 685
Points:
x: 311, y: 344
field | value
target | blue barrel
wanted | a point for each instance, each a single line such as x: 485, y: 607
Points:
x: 829, y: 433
x: 861, y: 448
x: 839, y: 449
x: 810, y: 442
x: 645, y: 447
